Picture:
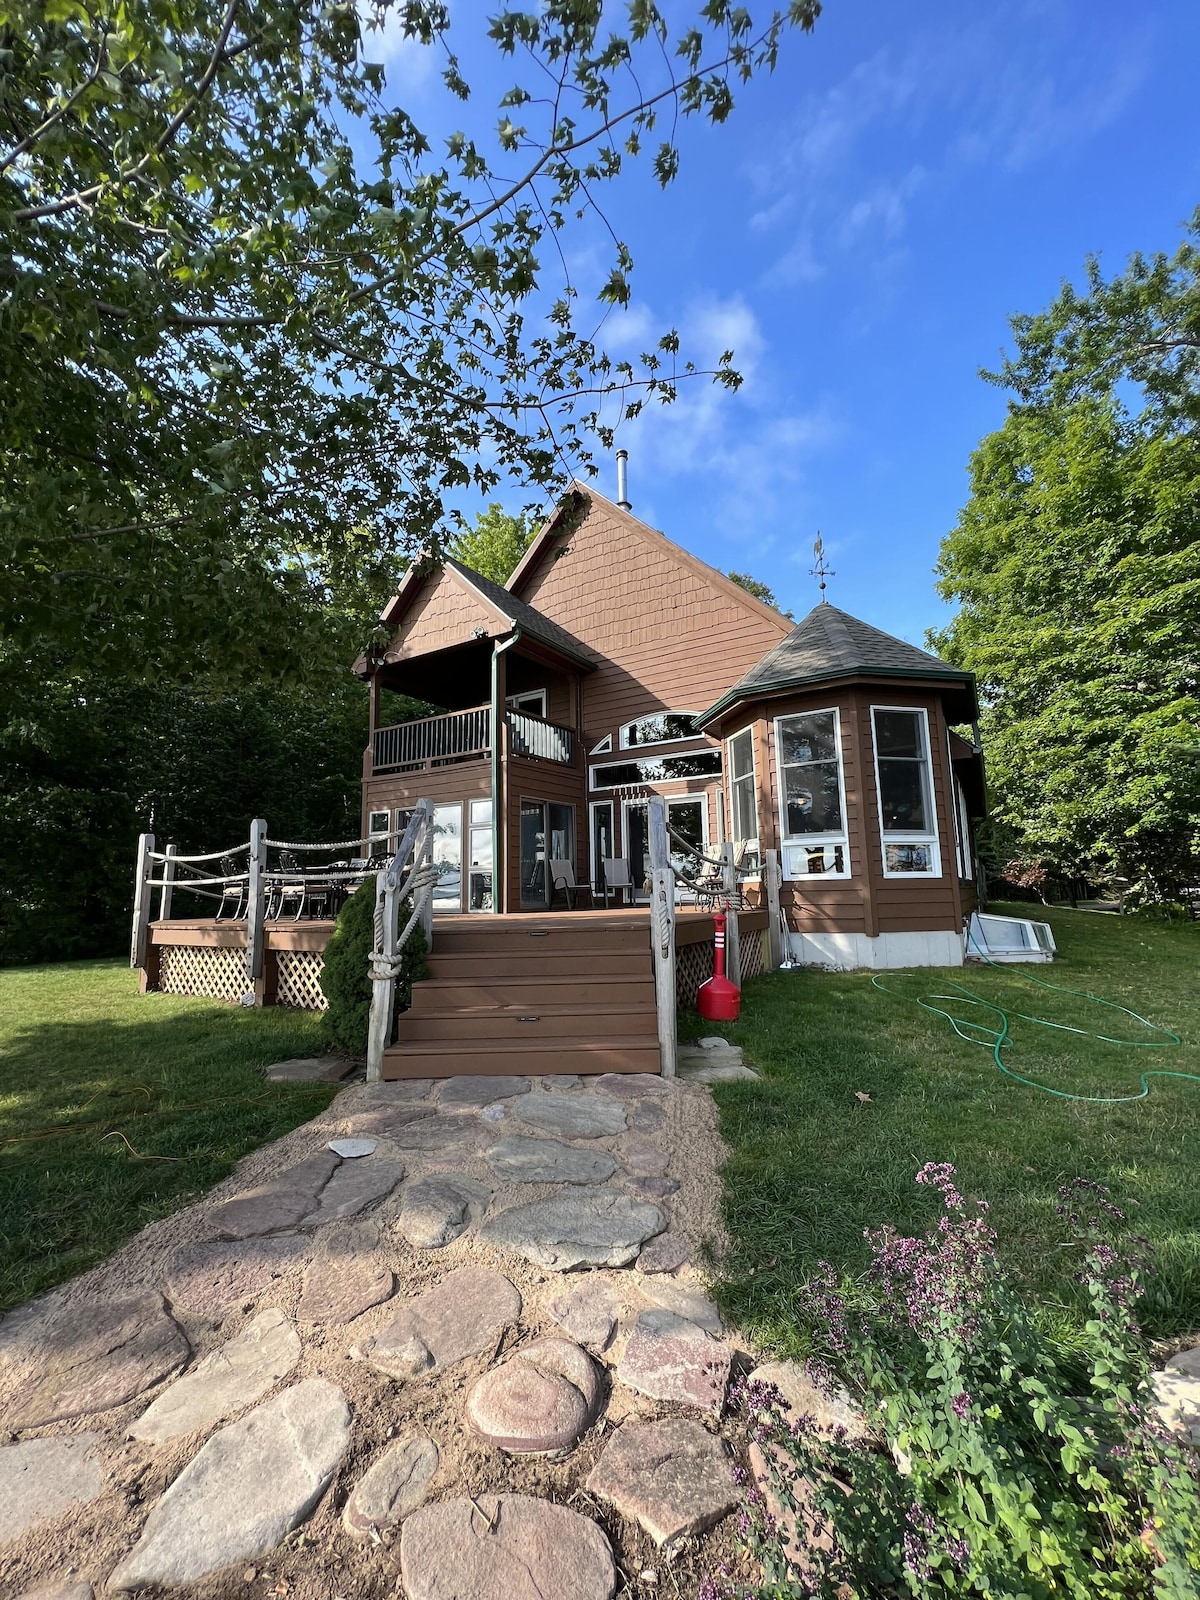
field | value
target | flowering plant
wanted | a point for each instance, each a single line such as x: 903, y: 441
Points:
x: 1008, y: 1471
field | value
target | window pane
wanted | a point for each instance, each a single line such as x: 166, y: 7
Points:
x: 908, y: 857
x: 447, y: 857
x: 745, y: 814
x: 813, y: 802
x: 481, y: 813
x: 377, y: 824
x: 658, y: 730
x: 902, y: 797
x: 663, y: 769
x: 898, y: 733
x: 808, y: 738
x: 741, y: 754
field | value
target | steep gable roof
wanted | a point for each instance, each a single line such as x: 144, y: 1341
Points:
x: 830, y: 644
x: 521, y: 615
x: 579, y: 494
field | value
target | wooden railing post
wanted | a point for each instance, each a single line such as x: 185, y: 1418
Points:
x: 771, y: 881
x: 425, y: 810
x: 733, y: 944
x: 662, y: 934
x: 141, y: 901
x: 165, y: 893
x: 256, y: 905
x: 387, y: 926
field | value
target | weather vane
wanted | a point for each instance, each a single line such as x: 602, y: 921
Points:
x: 822, y: 570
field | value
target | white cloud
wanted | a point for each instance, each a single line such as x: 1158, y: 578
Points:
x: 410, y: 65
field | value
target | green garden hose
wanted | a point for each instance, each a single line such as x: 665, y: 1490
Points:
x: 996, y: 1037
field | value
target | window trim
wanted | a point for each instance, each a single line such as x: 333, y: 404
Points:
x: 753, y: 846
x: 932, y: 837
x: 643, y: 782
x: 604, y: 748
x: 789, y: 841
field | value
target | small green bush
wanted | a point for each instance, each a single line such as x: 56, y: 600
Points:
x: 346, y: 976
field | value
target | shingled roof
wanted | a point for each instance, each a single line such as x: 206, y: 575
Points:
x: 829, y: 644
x: 523, y: 616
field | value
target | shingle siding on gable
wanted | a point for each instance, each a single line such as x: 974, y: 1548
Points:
x: 442, y: 614
x: 666, y: 639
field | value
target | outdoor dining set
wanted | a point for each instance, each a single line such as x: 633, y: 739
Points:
x: 296, y: 891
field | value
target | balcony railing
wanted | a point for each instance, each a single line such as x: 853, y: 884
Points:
x: 545, y: 741
x: 467, y: 736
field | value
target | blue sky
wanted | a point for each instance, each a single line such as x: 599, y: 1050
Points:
x: 859, y: 232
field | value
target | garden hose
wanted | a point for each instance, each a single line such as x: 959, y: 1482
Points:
x: 996, y: 1036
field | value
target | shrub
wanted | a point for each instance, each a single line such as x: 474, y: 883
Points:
x: 346, y: 975
x: 1009, y: 1471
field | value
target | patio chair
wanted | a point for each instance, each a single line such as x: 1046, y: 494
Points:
x: 562, y: 876
x: 618, y: 879
x: 293, y: 887
x: 231, y: 893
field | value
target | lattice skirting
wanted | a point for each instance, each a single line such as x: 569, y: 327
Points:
x: 219, y: 973
x: 300, y: 980
x: 694, y: 966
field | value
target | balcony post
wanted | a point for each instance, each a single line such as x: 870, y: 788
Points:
x: 498, y: 742
x: 662, y: 934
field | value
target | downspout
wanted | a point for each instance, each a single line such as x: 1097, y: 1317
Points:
x: 498, y: 726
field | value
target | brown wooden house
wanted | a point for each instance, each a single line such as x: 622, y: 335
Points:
x: 614, y: 665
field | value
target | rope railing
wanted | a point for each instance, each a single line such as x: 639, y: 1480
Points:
x: 410, y: 874
x: 213, y: 855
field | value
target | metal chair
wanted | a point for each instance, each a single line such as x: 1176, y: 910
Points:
x: 291, y: 888
x: 235, y: 892
x: 562, y: 876
x: 617, y: 877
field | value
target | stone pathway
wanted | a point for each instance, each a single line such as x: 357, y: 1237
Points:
x: 451, y: 1329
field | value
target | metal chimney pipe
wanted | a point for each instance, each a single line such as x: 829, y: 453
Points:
x: 623, y: 480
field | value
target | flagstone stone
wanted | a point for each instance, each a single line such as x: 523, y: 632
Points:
x: 384, y: 1121
x: 230, y: 1379
x: 666, y: 1253
x: 504, y: 1547
x: 67, y: 1589
x: 393, y: 1487
x: 1177, y: 1396
x: 246, y: 1489
x: 646, y: 1116
x: 672, y: 1477
x: 538, y: 1402
x: 207, y: 1278
x: 652, y: 1188
x: 634, y: 1085
x: 595, y: 1227
x: 353, y: 1187
x: 42, y: 1478
x: 669, y: 1358
x: 86, y: 1358
x: 338, y: 1288
x: 685, y: 1300
x: 281, y: 1202
x: 309, y: 1069
x: 462, y: 1316
x: 827, y: 1413
x: 589, y: 1313
x: 438, y: 1209
x: 472, y: 1093
x: 644, y: 1160
x: 520, y: 1159
x: 572, y: 1116
x: 353, y: 1149
x: 453, y: 1131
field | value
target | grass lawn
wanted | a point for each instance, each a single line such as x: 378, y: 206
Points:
x: 116, y: 1108
x: 812, y: 1165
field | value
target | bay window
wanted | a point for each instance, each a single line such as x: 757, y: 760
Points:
x: 812, y: 795
x: 904, y: 787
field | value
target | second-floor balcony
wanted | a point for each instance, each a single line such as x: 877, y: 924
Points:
x: 467, y: 736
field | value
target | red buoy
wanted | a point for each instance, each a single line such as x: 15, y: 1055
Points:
x: 718, y: 1000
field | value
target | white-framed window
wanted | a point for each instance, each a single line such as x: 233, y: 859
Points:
x: 904, y: 789
x: 656, y: 769
x: 965, y: 854
x: 604, y: 748
x: 666, y: 727
x: 812, y: 795
x: 378, y: 826
x: 743, y: 794
x: 532, y: 702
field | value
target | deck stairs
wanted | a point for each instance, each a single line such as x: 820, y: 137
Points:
x: 532, y: 993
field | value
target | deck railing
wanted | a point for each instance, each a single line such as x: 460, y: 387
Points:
x: 467, y: 736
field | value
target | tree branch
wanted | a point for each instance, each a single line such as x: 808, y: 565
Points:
x: 68, y: 105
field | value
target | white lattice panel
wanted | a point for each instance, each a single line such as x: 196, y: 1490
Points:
x: 218, y: 973
x: 752, y: 954
x: 300, y: 980
x: 693, y: 966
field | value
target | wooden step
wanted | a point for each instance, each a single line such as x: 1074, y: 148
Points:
x: 471, y: 1057
x: 529, y: 991
x: 503, y: 1023
x: 489, y: 938
x: 542, y: 960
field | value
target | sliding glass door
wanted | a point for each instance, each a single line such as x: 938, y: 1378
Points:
x: 547, y: 834
x: 686, y: 816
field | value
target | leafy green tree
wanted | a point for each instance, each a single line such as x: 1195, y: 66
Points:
x: 1076, y: 563
x: 258, y: 328
x: 758, y: 589
x: 496, y: 543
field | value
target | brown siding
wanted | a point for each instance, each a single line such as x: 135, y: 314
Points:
x: 666, y: 636
x: 465, y: 780
x: 444, y: 613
